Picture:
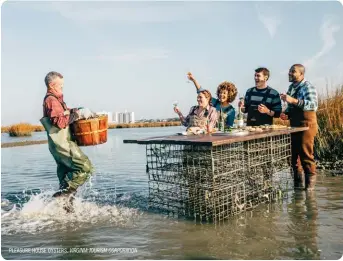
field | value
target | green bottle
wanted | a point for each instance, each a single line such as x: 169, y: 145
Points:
x: 221, y: 121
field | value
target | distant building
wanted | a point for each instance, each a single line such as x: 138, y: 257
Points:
x: 120, y: 118
x: 115, y: 117
x: 131, y: 117
x: 124, y: 117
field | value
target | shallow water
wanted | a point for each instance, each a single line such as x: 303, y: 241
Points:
x: 35, y: 136
x: 111, y: 212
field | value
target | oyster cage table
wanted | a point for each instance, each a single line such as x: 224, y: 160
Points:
x: 211, y: 177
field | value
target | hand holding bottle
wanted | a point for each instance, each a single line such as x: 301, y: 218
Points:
x: 241, y: 103
x: 284, y: 116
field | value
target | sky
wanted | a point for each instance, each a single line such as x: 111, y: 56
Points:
x: 134, y: 56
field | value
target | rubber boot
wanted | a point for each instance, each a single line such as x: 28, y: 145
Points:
x: 311, y: 180
x: 64, y: 190
x: 299, y: 181
x: 67, y: 196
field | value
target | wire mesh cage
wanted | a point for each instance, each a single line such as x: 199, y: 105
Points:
x: 211, y: 183
x: 268, y: 168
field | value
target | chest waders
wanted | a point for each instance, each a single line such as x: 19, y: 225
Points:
x: 303, y: 163
x: 73, y: 166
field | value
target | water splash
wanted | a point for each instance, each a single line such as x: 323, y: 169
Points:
x: 41, y: 212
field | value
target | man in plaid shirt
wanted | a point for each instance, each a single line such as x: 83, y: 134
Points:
x: 73, y: 166
x: 302, y: 102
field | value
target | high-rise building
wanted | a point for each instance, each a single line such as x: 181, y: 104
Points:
x: 124, y: 117
x: 115, y: 117
x: 109, y: 115
x: 131, y: 117
x: 120, y: 117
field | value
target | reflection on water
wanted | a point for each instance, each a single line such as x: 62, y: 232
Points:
x: 111, y: 212
x: 303, y: 226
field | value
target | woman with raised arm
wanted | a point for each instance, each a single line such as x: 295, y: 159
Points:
x: 226, y: 94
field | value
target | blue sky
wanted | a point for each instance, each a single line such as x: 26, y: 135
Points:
x: 135, y: 55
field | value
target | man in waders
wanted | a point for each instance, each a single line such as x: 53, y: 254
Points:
x: 73, y: 166
x: 262, y: 103
x: 302, y: 102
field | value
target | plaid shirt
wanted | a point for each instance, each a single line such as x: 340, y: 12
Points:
x: 53, y: 109
x: 209, y: 112
x: 307, y: 95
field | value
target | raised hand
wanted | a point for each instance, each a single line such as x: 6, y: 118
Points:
x: 176, y: 109
x: 190, y: 76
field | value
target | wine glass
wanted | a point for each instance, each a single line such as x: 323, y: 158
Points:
x: 175, y: 103
x: 284, y: 105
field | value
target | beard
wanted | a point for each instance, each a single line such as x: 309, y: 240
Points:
x: 291, y: 79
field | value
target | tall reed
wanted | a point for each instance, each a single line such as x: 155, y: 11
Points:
x: 21, y: 129
x: 329, y: 141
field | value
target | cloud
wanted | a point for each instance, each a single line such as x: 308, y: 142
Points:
x: 132, y: 56
x: 269, y: 18
x: 326, y: 31
x: 112, y: 11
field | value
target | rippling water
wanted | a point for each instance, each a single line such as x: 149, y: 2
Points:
x: 111, y: 212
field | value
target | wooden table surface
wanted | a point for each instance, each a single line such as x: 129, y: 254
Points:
x: 214, y: 139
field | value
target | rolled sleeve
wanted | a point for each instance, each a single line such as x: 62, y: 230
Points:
x: 310, y: 101
x: 200, y: 90
x: 55, y: 112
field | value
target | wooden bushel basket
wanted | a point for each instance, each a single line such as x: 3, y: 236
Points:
x: 90, y: 132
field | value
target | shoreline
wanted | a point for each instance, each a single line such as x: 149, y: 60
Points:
x: 22, y: 143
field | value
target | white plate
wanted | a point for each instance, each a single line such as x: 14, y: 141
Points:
x: 236, y: 133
